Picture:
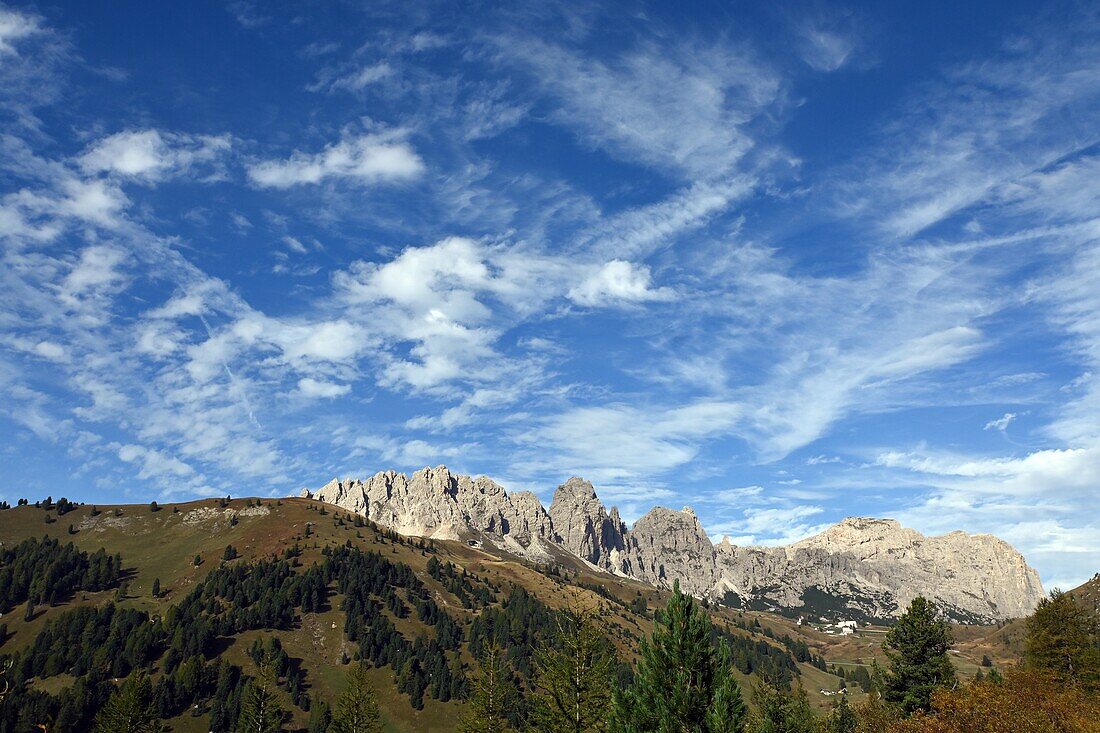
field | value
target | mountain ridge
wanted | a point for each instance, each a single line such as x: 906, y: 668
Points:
x: 863, y: 568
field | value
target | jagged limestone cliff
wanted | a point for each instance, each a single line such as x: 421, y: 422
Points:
x: 860, y: 568
x: 435, y: 503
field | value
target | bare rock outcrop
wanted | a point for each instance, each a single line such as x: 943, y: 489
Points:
x: 667, y: 545
x: 435, y: 503
x: 859, y: 568
x: 584, y: 527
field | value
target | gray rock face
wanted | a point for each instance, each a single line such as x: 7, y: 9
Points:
x: 583, y: 526
x: 435, y: 503
x: 973, y: 577
x: 667, y: 545
x: 861, y: 568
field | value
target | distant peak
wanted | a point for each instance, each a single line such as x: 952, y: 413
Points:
x: 576, y: 487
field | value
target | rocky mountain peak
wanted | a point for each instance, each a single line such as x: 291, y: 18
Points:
x: 665, y: 545
x: 582, y: 523
x: 861, y: 567
x: 576, y: 488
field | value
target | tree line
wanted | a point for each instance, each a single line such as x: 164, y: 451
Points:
x: 684, y: 682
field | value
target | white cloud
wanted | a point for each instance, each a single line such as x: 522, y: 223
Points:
x: 983, y: 126
x: 1053, y: 472
x: 826, y: 50
x: 151, y: 154
x: 616, y: 443
x: 1000, y: 423
x: 98, y: 202
x: 827, y: 41
x: 15, y: 26
x: 295, y: 244
x: 154, y: 463
x: 368, y: 159
x: 769, y: 526
x: 680, y: 108
x: 639, y: 231
x: 157, y: 340
x: 353, y: 81
x: 449, y: 299
x: 50, y: 350
x: 313, y: 388
x: 618, y: 282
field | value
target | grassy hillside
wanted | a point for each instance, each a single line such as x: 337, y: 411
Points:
x: 180, y: 545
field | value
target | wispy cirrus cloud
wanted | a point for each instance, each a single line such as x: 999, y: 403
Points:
x: 684, y: 110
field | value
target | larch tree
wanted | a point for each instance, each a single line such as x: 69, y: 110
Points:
x: 492, y: 695
x: 1063, y: 639
x: 356, y: 709
x: 260, y: 709
x: 129, y: 709
x: 574, y: 672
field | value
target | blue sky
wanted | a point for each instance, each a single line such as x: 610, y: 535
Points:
x: 784, y: 264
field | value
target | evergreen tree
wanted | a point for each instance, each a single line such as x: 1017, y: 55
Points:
x: 156, y: 587
x: 260, y: 709
x: 129, y: 709
x: 842, y: 719
x: 1063, y: 638
x: 320, y: 717
x: 779, y: 711
x: 573, y: 676
x: 917, y: 648
x: 492, y: 695
x: 356, y: 709
x: 683, y: 682
x: 728, y: 712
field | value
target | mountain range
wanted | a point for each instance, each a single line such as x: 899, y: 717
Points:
x: 861, y: 569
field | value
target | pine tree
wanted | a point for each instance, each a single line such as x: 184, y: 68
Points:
x: 917, y: 648
x: 683, y: 682
x: 573, y: 676
x: 492, y: 693
x: 728, y: 712
x: 1063, y: 638
x: 129, y: 709
x: 356, y: 709
x: 156, y: 587
x: 260, y: 709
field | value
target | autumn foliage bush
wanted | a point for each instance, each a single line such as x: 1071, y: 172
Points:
x: 1026, y: 701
